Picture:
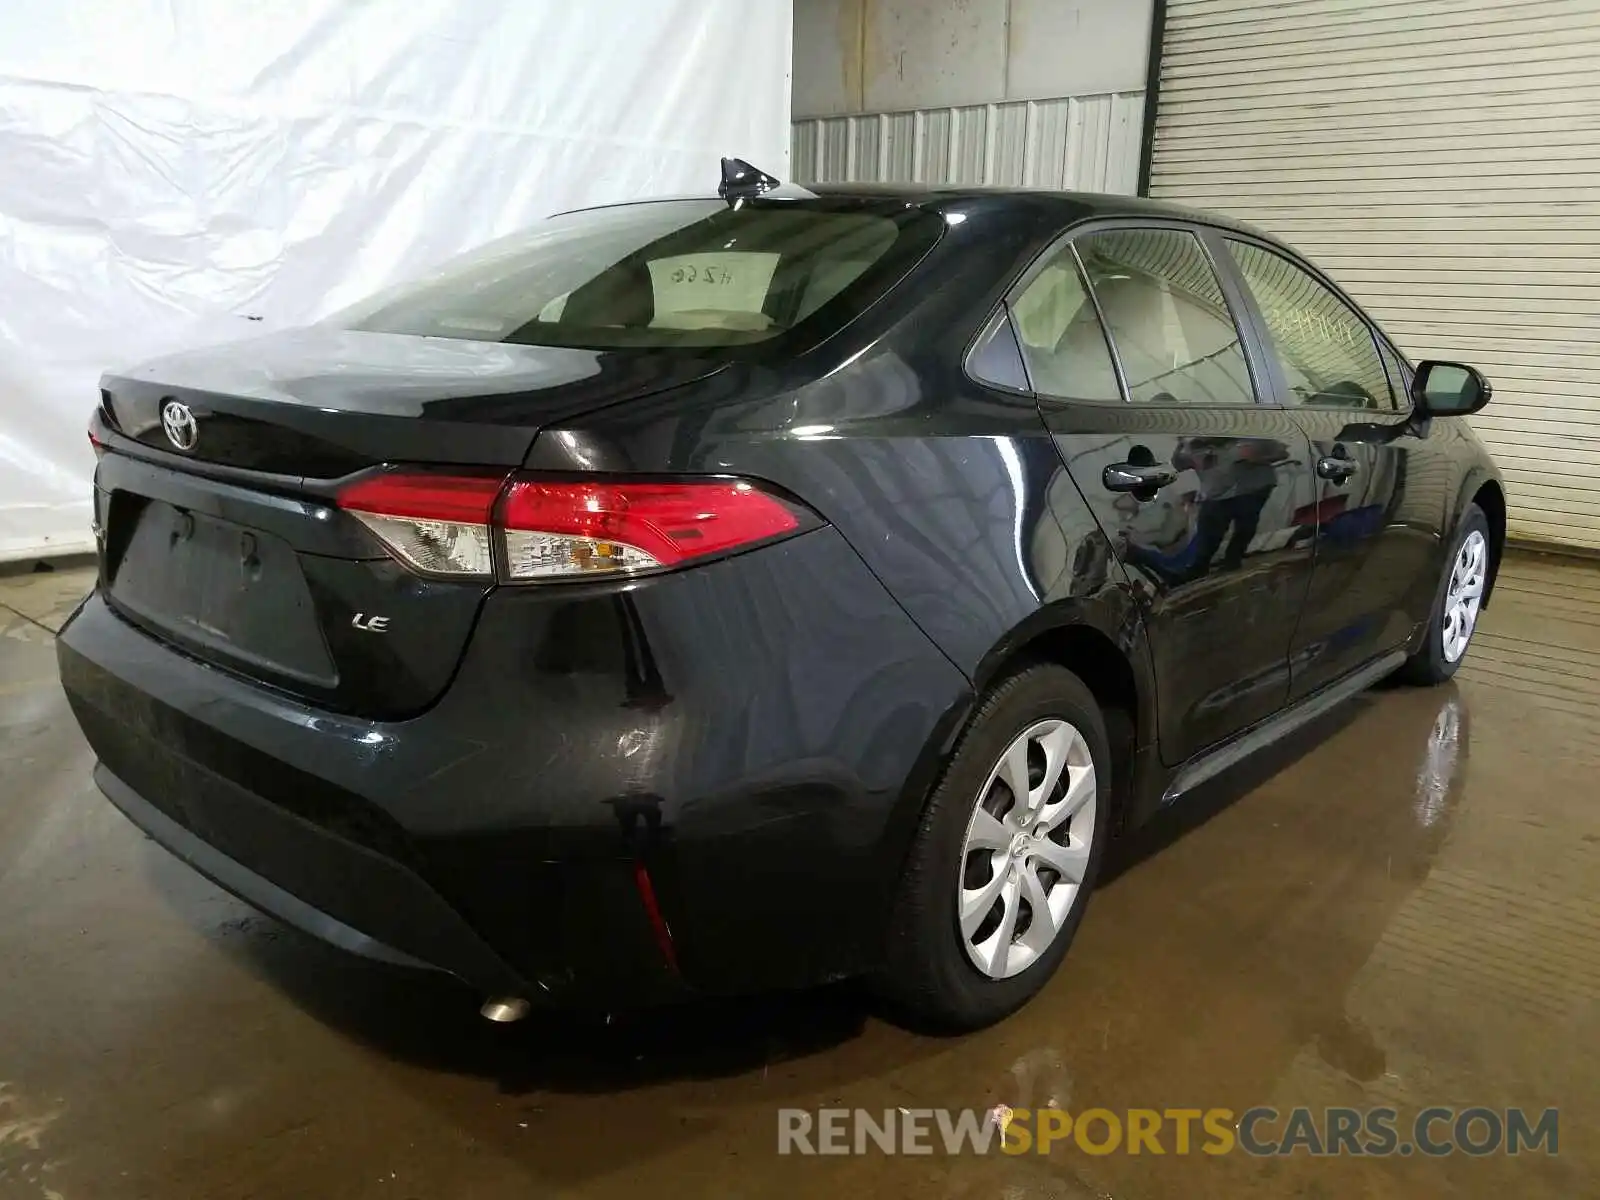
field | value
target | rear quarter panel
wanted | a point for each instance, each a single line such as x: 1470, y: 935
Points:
x: 952, y: 494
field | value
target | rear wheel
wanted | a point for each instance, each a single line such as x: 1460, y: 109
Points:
x: 1008, y: 850
x: 1456, y: 608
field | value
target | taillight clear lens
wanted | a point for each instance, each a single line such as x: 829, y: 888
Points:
x: 549, y: 530
x: 558, y: 530
x: 434, y: 547
x: 435, y: 524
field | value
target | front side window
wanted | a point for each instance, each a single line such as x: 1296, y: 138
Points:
x: 672, y: 273
x: 1328, y: 354
x: 1167, y: 317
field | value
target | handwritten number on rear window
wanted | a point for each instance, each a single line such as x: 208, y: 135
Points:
x: 690, y: 273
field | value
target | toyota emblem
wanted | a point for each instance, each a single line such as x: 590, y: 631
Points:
x: 179, y: 424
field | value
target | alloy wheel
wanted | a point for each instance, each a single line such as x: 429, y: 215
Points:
x: 1026, y: 849
x: 1464, y: 595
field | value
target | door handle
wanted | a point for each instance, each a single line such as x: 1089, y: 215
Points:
x: 1131, y: 477
x: 1336, y: 467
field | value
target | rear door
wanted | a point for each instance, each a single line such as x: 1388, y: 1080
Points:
x: 1377, y: 515
x: 1147, y: 387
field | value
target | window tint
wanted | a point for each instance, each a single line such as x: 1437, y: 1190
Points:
x: 997, y: 358
x: 1327, y: 352
x: 1399, y: 375
x: 1062, y: 341
x: 1167, y: 317
x: 673, y: 273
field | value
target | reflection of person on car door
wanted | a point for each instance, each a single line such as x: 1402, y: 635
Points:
x: 1237, y: 476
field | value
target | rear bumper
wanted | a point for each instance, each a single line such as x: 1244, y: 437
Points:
x: 756, y: 732
x: 257, y: 889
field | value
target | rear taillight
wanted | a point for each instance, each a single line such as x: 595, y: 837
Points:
x: 561, y: 530
x: 544, y: 530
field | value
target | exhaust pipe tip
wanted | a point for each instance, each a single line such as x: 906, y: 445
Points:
x: 503, y: 1010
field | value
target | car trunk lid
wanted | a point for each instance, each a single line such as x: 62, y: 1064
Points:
x: 232, y: 548
x: 322, y: 402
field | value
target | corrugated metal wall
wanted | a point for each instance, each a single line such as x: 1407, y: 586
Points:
x: 1439, y: 158
x: 1086, y: 143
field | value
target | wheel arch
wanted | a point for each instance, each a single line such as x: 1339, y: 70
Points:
x: 1107, y: 651
x: 1484, y: 489
x: 1491, y: 498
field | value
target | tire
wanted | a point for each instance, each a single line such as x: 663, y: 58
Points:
x: 1434, y: 661
x: 931, y: 972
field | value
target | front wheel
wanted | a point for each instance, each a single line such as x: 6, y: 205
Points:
x: 1001, y: 868
x: 1456, y: 608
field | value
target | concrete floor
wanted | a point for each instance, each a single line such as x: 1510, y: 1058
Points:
x: 1400, y: 907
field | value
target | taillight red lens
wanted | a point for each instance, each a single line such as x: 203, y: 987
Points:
x: 550, y: 530
x: 559, y: 530
x: 468, y: 498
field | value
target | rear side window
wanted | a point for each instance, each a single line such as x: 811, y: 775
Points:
x: 673, y: 273
x: 1167, y: 317
x: 1328, y: 354
x: 1061, y: 337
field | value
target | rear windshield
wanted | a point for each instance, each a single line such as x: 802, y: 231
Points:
x: 670, y: 273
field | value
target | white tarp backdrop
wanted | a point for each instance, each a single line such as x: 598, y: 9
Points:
x: 177, y: 172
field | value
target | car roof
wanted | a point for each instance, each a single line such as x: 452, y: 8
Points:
x: 1061, y: 207
x: 1071, y: 206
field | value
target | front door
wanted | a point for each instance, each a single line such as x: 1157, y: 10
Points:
x: 1196, y: 484
x: 1377, y: 508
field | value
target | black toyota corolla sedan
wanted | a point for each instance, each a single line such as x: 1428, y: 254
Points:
x: 746, y: 591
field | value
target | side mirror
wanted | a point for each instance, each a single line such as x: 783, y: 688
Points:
x: 1448, y: 389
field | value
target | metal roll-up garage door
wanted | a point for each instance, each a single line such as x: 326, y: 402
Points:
x: 1439, y: 158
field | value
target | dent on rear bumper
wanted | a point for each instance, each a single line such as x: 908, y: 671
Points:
x: 749, y: 729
